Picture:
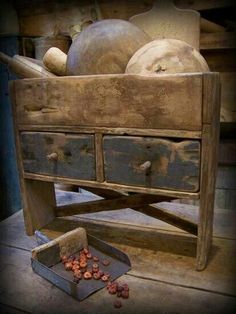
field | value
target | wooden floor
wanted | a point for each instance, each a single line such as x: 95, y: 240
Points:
x: 162, y: 279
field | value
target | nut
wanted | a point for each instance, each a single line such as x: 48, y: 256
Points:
x: 96, y: 276
x: 89, y: 256
x: 82, y: 264
x: 68, y: 266
x: 105, y: 278
x: 105, y: 262
x: 117, y: 304
x: 95, y: 259
x: 85, y: 251
x: 125, y: 294
x: 64, y: 259
x: 87, y: 275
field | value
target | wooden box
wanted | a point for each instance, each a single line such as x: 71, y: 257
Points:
x: 155, y: 136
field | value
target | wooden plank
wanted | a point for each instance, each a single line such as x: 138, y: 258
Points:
x: 113, y: 186
x: 44, y: 18
x: 222, y: 40
x: 38, y: 197
x: 171, y: 101
x: 99, y: 157
x: 59, y: 154
x: 204, y: 5
x: 164, y: 20
x: 157, y: 212
x: 210, y: 101
x: 171, y: 165
x: 228, y: 96
x: 220, y: 60
x: 110, y: 130
x: 209, y: 155
x: 110, y: 204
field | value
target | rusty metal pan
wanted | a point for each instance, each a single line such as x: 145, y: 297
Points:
x: 57, y: 275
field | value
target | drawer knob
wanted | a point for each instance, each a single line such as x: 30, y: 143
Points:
x: 52, y: 157
x: 145, y: 166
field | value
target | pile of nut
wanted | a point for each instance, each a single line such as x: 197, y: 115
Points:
x: 81, y: 270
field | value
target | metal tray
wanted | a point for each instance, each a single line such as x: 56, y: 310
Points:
x: 57, y: 275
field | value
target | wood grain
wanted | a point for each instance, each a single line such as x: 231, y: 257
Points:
x: 173, y: 165
x: 75, y: 154
x: 110, y: 204
x: 99, y: 157
x: 113, y: 186
x: 156, y: 211
x: 221, y: 40
x: 209, y: 156
x: 171, y: 101
x: 164, y: 20
x: 119, y: 131
x: 38, y: 197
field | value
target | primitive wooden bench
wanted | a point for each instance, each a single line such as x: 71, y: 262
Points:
x: 134, y: 140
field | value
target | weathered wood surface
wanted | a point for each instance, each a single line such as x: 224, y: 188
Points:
x: 99, y: 157
x: 166, y: 102
x: 38, y: 197
x: 220, y: 60
x: 110, y: 130
x: 168, y: 272
x: 164, y: 20
x: 110, y: 204
x: 228, y: 96
x: 209, y: 159
x: 172, y: 165
x: 65, y: 245
x: 59, y: 154
x: 143, y: 293
x: 222, y: 40
x: 113, y: 186
x: 158, y: 212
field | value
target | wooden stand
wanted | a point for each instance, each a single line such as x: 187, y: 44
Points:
x: 134, y: 140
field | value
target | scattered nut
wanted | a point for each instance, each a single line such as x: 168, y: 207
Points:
x: 87, y: 275
x: 68, y: 266
x: 95, y: 265
x: 112, y: 289
x: 119, y: 294
x: 105, y: 262
x: 96, y: 276
x: 117, y: 304
x: 95, y: 259
x: 83, y: 264
x: 104, y: 278
x: 85, y: 250
x: 89, y: 256
x: 64, y: 259
x: 125, y: 287
x: 125, y: 294
x: 75, y: 267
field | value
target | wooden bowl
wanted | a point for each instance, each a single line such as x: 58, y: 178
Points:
x: 104, y: 47
x: 163, y: 56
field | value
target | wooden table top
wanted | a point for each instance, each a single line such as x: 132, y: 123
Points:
x: 160, y: 281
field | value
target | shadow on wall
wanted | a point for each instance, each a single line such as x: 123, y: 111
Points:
x: 10, y: 200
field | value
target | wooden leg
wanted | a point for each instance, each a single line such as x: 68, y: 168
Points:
x: 209, y: 153
x: 206, y: 208
x: 38, y: 204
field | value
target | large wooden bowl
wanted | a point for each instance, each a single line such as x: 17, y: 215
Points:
x: 166, y: 56
x: 105, y: 47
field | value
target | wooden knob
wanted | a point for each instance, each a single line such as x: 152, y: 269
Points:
x: 52, y: 157
x: 145, y: 166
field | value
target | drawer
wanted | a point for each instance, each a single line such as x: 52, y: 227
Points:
x: 152, y: 162
x: 59, y: 154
